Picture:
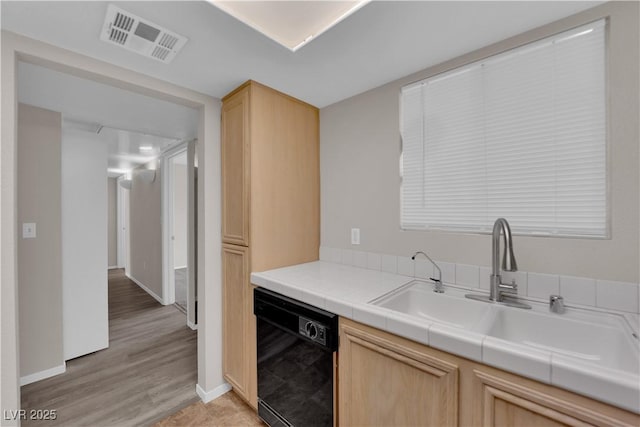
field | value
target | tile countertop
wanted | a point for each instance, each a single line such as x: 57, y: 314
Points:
x: 346, y: 291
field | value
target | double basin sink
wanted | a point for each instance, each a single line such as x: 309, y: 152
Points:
x: 601, y: 338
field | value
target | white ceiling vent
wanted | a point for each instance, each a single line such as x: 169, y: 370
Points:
x: 139, y: 35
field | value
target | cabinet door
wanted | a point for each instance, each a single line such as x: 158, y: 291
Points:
x: 235, y: 297
x: 505, y: 400
x: 387, y: 381
x: 235, y: 168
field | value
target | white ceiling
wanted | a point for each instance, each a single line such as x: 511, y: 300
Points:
x: 124, y: 120
x: 379, y: 43
x: 86, y: 101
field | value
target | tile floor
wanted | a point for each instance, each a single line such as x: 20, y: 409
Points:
x: 227, y: 410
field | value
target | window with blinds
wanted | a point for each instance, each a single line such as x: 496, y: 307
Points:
x: 520, y: 135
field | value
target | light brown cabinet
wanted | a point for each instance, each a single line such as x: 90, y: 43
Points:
x: 384, y: 382
x: 392, y: 381
x: 270, y: 208
x: 235, y: 275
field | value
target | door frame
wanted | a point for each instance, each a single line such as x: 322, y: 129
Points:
x: 168, y: 267
x: 122, y: 220
x: 167, y: 177
x: 210, y: 383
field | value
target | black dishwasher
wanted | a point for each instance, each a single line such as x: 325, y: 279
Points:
x: 296, y: 346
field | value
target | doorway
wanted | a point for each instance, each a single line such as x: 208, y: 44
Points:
x: 20, y: 48
x: 122, y: 207
x: 179, y: 242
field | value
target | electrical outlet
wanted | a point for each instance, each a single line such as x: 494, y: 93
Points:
x: 355, y: 236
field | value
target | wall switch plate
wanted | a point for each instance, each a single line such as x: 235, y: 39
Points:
x: 28, y: 230
x: 355, y: 236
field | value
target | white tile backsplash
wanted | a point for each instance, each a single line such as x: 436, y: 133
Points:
x: 347, y: 257
x: 448, y: 271
x: 406, y: 266
x: 324, y: 253
x: 360, y: 259
x: 389, y: 264
x: 424, y: 269
x: 374, y: 261
x: 621, y: 296
x: 331, y: 255
x: 520, y: 277
x: 542, y: 285
x: 606, y: 294
x: 468, y: 275
x: 485, y: 279
x: 578, y: 290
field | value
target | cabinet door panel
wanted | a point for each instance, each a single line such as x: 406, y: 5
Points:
x: 384, y: 383
x: 504, y: 402
x: 235, y: 169
x: 235, y: 294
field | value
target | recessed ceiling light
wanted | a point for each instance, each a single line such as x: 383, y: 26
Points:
x: 293, y: 24
x: 146, y: 148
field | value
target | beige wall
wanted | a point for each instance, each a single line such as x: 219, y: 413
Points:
x: 40, y: 259
x: 145, y: 230
x: 360, y: 148
x: 112, y: 227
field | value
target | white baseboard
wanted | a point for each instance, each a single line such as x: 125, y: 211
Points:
x: 47, y: 373
x: 147, y: 290
x: 192, y: 325
x: 208, y: 396
x: 112, y: 267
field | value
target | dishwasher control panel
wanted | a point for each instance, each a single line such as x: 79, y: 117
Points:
x: 313, y: 330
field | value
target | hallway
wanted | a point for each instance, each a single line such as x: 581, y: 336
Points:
x: 148, y: 372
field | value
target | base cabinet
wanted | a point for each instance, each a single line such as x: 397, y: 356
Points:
x: 236, y: 317
x: 385, y: 380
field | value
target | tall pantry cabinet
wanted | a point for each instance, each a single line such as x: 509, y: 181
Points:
x: 270, y: 209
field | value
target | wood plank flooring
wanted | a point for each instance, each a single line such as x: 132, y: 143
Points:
x: 148, y: 372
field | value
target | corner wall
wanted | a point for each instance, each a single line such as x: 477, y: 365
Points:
x: 40, y: 258
x: 145, y: 230
x: 112, y: 222
x: 360, y: 184
x: 84, y: 243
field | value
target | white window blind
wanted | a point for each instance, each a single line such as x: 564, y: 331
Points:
x: 520, y: 135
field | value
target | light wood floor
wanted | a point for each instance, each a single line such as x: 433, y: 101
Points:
x: 148, y: 372
x: 226, y: 411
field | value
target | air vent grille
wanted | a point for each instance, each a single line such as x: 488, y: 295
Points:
x: 122, y: 21
x: 168, y: 41
x: 118, y: 36
x: 160, y: 53
x: 133, y: 33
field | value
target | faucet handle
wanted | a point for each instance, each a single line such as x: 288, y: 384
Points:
x: 509, y: 287
x: 556, y: 304
x: 438, y: 285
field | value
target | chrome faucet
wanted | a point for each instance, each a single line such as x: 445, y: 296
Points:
x: 497, y: 289
x: 508, y: 260
x: 438, y: 287
x: 556, y: 304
